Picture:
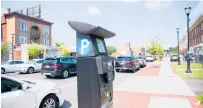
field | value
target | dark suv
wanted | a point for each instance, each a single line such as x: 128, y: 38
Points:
x: 127, y: 63
x: 59, y: 66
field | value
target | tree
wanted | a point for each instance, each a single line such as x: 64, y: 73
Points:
x: 34, y: 50
x: 111, y: 49
x: 155, y: 47
x: 64, y: 51
x: 173, y: 49
x: 4, y: 49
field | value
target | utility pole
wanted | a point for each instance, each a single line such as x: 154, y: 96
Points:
x: 131, y: 52
x: 12, y: 46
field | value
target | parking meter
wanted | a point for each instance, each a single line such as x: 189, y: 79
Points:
x: 95, y: 69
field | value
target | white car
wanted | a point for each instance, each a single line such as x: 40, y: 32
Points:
x: 29, y: 94
x: 30, y: 66
x: 150, y: 58
x: 10, y: 66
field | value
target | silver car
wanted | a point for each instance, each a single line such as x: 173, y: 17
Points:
x: 30, y: 66
x: 10, y: 66
x: 142, y: 61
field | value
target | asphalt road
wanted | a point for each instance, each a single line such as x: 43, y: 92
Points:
x: 69, y: 85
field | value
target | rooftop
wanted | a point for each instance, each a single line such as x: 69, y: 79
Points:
x: 29, y: 17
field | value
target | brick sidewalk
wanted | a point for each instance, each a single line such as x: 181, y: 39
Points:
x: 132, y: 94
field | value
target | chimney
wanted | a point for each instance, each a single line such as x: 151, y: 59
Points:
x: 8, y: 10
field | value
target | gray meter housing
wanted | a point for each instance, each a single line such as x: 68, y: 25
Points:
x: 95, y: 69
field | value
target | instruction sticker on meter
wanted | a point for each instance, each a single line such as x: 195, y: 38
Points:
x: 84, y: 46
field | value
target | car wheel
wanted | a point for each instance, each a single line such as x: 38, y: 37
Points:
x: 48, y: 76
x: 65, y: 73
x: 2, y: 71
x: 30, y: 70
x: 50, y: 101
x: 134, y: 70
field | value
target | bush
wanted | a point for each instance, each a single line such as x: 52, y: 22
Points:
x: 200, y: 98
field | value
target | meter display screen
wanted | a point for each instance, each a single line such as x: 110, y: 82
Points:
x: 100, y: 45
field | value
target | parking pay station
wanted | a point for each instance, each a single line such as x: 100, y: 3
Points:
x: 95, y: 69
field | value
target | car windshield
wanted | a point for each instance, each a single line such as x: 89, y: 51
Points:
x: 123, y: 59
x: 139, y: 57
x: 50, y: 60
x: 4, y: 62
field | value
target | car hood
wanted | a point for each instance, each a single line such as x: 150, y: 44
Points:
x: 41, y: 85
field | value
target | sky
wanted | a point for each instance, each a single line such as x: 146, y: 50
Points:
x: 133, y: 21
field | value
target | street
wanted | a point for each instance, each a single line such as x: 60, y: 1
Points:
x: 69, y: 85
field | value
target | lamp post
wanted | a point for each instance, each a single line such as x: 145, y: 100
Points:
x: 177, y: 29
x: 187, y: 12
x: 12, y: 47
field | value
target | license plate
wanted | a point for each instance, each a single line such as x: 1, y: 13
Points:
x: 47, y: 66
x: 46, y: 73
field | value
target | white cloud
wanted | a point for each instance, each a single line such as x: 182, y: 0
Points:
x: 157, y: 4
x: 93, y: 10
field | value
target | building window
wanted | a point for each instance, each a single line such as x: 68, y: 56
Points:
x: 46, y: 31
x: 22, y: 26
x: 22, y: 39
x: 202, y: 38
x: 195, y: 31
x: 46, y: 41
x: 201, y: 26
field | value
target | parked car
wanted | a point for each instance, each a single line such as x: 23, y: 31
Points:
x: 10, y: 66
x: 30, y: 66
x: 33, y: 94
x: 142, y: 61
x: 59, y: 66
x: 149, y: 59
x: 174, y: 58
x: 127, y: 63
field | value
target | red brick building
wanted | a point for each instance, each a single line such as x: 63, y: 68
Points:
x: 24, y: 29
x: 195, y: 39
x: 196, y: 36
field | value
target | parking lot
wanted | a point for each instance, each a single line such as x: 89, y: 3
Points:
x: 69, y: 85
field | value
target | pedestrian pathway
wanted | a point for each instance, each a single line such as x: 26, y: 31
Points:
x: 162, y: 89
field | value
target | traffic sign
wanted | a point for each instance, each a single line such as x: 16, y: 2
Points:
x: 84, y: 46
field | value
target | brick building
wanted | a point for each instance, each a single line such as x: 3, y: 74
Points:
x: 25, y: 29
x: 195, y: 39
x: 196, y: 36
x: 125, y: 50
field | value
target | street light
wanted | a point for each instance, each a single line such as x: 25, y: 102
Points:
x: 187, y: 12
x: 177, y: 29
x: 12, y: 47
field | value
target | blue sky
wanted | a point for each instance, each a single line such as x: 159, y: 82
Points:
x: 136, y: 22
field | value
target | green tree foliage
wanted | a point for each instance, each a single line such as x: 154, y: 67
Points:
x: 173, y: 49
x: 111, y: 49
x: 200, y: 98
x: 155, y: 47
x: 34, y: 50
x: 4, y: 49
x: 64, y: 52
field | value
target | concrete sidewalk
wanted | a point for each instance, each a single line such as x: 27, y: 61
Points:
x: 165, y: 90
